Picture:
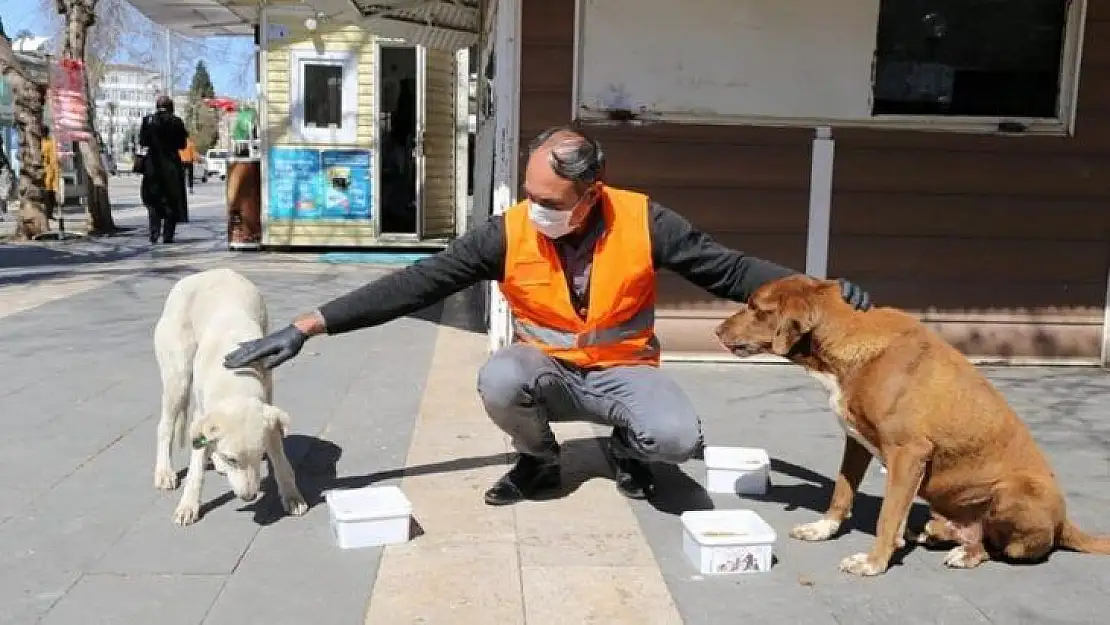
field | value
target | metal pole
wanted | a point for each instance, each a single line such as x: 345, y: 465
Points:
x: 169, y: 65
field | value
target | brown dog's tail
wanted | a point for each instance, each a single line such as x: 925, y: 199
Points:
x: 1071, y: 537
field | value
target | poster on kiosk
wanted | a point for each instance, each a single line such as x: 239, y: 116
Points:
x: 310, y: 184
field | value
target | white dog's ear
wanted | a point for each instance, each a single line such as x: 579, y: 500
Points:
x: 276, y: 417
x: 203, y: 432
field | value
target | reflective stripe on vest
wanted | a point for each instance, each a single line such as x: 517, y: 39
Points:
x: 639, y: 323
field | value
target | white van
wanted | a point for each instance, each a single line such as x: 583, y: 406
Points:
x: 215, y: 164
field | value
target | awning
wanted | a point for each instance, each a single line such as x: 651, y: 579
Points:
x: 443, y: 24
x: 227, y: 105
x: 202, y: 18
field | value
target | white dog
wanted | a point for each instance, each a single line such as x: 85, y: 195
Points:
x: 207, y: 315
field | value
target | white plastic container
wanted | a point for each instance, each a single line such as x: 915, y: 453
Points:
x: 370, y: 516
x: 739, y: 470
x: 722, y: 542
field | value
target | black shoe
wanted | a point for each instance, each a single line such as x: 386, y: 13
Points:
x: 633, y: 477
x: 528, y: 477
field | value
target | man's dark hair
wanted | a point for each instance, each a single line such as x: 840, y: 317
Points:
x: 164, y: 103
x: 574, y: 156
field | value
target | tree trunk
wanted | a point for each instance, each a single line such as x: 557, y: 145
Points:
x: 28, y: 104
x: 80, y: 15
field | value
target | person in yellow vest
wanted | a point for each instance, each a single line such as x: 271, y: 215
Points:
x: 51, y: 174
x: 188, y: 158
x: 577, y: 262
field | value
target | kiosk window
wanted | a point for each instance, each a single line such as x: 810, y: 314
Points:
x: 323, y: 95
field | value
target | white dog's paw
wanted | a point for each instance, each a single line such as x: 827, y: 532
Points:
x: 186, y: 513
x: 165, y: 479
x: 962, y: 558
x: 219, y: 465
x: 294, y: 504
x: 861, y: 564
x: 822, y: 529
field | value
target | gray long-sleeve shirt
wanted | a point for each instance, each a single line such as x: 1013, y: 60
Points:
x: 479, y: 254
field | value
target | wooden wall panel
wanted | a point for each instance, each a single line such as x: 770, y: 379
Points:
x: 747, y: 187
x: 1002, y: 243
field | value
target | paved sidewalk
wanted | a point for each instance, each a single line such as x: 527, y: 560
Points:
x: 91, y: 535
x: 85, y: 538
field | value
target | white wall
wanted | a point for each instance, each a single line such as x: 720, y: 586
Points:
x: 722, y: 58
x: 132, y: 91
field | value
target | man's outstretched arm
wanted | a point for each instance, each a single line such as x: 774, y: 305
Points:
x: 724, y: 272
x: 475, y: 256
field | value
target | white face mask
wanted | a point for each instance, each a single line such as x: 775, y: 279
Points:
x: 551, y: 223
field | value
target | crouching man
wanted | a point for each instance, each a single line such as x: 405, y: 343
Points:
x: 576, y: 261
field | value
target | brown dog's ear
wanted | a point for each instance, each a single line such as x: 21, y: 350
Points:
x: 276, y: 417
x: 793, y: 325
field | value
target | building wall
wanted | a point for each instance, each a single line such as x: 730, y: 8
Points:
x: 747, y: 186
x: 125, y: 94
x: 440, y: 171
x: 1001, y: 243
x: 278, y: 103
x: 441, y: 82
x: 329, y: 37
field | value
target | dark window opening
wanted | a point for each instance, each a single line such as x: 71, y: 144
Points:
x: 323, y: 96
x: 975, y: 58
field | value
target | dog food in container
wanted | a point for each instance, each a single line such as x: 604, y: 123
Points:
x: 739, y: 470
x: 722, y: 542
x: 370, y: 516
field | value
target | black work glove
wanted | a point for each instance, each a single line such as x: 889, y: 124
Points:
x: 854, y: 295
x: 272, y: 349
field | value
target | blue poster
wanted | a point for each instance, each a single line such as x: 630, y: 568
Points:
x: 310, y: 184
x: 295, y: 179
x: 346, y: 185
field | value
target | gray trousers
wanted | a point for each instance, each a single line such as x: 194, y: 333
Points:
x: 524, y: 390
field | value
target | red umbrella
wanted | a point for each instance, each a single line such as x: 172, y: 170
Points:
x: 224, y: 104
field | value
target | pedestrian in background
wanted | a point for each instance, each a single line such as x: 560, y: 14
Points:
x: 163, y: 136
x: 187, y: 155
x: 188, y: 158
x: 51, y: 173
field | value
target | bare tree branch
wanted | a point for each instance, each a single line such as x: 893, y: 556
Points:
x: 122, y: 34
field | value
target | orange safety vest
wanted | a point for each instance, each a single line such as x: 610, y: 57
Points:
x: 619, y: 324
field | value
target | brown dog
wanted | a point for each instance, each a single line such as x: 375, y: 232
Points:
x: 941, y: 429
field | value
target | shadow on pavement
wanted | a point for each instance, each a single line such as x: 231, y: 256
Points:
x: 815, y: 496
x: 85, y: 252
x: 676, y: 492
x: 582, y: 461
x: 174, y: 272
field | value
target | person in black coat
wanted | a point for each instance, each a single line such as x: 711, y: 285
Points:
x: 163, y: 134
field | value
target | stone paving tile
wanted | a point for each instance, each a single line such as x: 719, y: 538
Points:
x: 122, y: 599
x: 28, y: 589
x: 576, y: 558
x: 155, y: 545
x: 293, y: 573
